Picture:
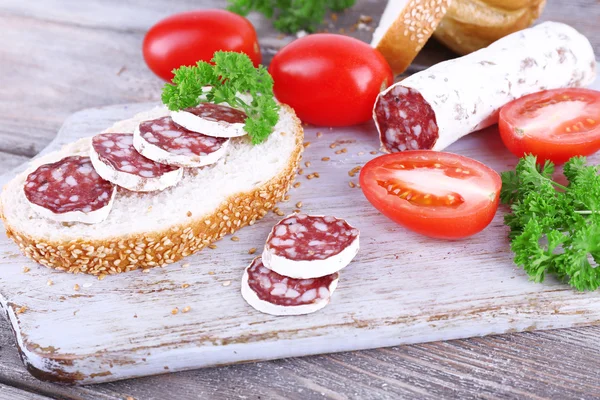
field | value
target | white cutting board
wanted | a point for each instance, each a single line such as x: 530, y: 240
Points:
x: 401, y: 288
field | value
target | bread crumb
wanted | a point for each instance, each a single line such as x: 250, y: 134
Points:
x: 212, y: 246
x: 49, y: 283
x: 351, y: 184
x: 360, y: 153
x: 252, y: 250
x: 297, y: 185
x: 185, y: 285
x: 76, y: 287
x: 26, y: 269
x: 319, y: 134
x: 365, y: 19
x: 175, y: 311
x: 334, y: 17
x: 149, y: 208
x: 21, y: 310
x: 325, y: 159
x: 129, y: 398
x: 281, y: 36
x: 185, y: 265
x: 342, y: 31
x: 186, y: 309
x: 373, y: 152
x: 189, y: 213
x: 300, y: 171
x: 226, y: 283
x: 299, y: 204
x: 211, y: 272
x: 235, y: 239
x: 307, y: 164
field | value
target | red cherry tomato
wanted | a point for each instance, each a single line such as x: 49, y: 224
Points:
x: 437, y: 194
x: 188, y: 37
x: 330, y: 80
x: 553, y: 125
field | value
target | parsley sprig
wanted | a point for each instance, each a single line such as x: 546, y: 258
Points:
x: 555, y: 228
x: 231, y: 75
x: 290, y: 16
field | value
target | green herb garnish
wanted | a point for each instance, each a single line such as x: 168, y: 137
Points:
x: 231, y: 75
x: 290, y: 16
x: 554, y: 228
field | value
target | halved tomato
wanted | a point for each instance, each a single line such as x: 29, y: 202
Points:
x: 437, y: 194
x: 553, y: 125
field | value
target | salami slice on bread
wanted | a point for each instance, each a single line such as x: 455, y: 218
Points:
x: 144, y: 230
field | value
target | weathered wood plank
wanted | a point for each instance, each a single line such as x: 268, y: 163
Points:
x: 9, y: 161
x: 11, y: 393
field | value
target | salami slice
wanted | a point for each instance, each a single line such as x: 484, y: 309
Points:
x: 116, y: 160
x: 70, y: 190
x: 210, y: 119
x: 274, y: 294
x: 165, y: 142
x: 305, y: 246
x: 436, y: 107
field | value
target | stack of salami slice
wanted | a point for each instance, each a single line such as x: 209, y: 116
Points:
x: 300, y: 264
x: 153, y: 158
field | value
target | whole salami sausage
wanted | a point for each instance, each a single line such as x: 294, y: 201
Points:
x: 165, y: 142
x: 307, y: 246
x: 274, y: 294
x: 210, y: 119
x: 116, y: 160
x: 436, y: 107
x: 69, y: 190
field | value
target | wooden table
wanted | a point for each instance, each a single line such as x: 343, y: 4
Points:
x: 59, y: 56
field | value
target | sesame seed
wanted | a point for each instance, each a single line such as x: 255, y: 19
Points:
x: 211, y: 272
x: 373, y: 152
x: 26, y: 269
x: 333, y: 145
x: 146, y: 270
x: 360, y: 153
x: 297, y: 185
x: 325, y: 159
x: 354, y: 170
x: 306, y: 144
x: 49, y: 283
x: 316, y: 175
x: 319, y: 134
x: 235, y: 239
x: 175, y: 311
x: 186, y: 309
x: 340, y: 151
x: 149, y: 208
x: 296, y: 211
x: 351, y: 184
x: 280, y: 213
x: 310, y: 176
x: 189, y: 213
x: 307, y: 164
x: 226, y: 283
x: 299, y: 204
x: 21, y: 310
x: 129, y: 398
x: 300, y: 171
x: 287, y: 197
x: 185, y: 285
x: 252, y: 250
x: 212, y: 246
x: 76, y: 287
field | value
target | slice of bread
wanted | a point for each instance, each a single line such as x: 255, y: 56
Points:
x: 145, y: 230
x: 405, y: 27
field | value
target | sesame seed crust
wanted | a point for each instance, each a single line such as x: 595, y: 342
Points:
x: 410, y: 31
x: 130, y: 252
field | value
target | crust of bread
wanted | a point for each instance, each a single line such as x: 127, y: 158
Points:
x: 471, y: 25
x: 127, y: 253
x: 407, y: 35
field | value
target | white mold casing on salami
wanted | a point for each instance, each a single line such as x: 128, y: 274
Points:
x: 86, y: 212
x: 267, y: 307
x: 134, y: 181
x: 465, y: 94
x: 184, y: 155
x: 218, y: 120
x: 315, y: 267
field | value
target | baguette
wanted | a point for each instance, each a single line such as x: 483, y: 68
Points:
x: 145, y: 230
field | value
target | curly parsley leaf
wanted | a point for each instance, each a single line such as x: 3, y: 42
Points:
x: 291, y: 16
x: 232, y: 80
x: 555, y: 229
